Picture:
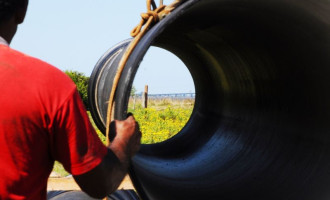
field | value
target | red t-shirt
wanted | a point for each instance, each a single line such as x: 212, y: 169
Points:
x: 42, y: 119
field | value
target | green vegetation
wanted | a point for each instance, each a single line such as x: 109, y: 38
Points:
x: 59, y: 169
x: 99, y: 133
x: 81, y: 82
x: 162, y: 119
x: 133, y: 91
x: 160, y: 125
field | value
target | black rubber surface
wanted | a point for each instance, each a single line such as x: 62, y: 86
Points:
x: 260, y: 128
x: 79, y: 195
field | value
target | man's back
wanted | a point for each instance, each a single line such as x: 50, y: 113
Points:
x: 34, y: 102
x: 43, y: 119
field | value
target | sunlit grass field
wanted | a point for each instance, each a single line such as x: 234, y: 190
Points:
x: 160, y: 121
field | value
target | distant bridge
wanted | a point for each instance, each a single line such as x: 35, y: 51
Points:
x: 170, y: 95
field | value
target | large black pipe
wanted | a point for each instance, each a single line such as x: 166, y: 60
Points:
x: 260, y: 126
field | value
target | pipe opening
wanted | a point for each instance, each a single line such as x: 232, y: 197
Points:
x: 170, y: 96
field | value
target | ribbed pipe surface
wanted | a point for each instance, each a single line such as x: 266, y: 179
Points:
x: 260, y: 126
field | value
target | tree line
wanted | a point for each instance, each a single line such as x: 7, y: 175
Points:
x: 81, y: 82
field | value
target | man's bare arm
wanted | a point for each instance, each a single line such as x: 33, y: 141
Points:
x: 106, y: 177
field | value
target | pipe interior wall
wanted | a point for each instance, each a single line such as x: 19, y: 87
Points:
x: 260, y: 126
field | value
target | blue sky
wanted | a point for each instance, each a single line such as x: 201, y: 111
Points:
x: 73, y: 35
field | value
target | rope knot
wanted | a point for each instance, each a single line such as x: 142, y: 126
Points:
x: 154, y: 15
x: 147, y: 15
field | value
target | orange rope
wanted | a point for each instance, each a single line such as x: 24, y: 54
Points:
x: 151, y: 17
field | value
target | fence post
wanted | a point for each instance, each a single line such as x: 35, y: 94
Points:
x: 145, y: 97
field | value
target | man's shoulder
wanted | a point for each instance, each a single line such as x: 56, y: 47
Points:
x: 39, y: 75
x: 15, y: 55
x: 18, y: 58
x: 32, y: 67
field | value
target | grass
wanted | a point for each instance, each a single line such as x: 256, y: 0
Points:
x: 163, y: 118
x: 59, y: 169
x: 160, y: 121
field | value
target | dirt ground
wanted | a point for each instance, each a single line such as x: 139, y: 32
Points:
x: 68, y: 183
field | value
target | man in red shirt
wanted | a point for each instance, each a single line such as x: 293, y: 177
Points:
x: 42, y: 119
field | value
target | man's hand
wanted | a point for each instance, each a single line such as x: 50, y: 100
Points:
x: 127, y: 138
x: 106, y: 177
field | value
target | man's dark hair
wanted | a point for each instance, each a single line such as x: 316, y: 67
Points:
x: 9, y: 7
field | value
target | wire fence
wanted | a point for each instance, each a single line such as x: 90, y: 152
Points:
x: 168, y: 96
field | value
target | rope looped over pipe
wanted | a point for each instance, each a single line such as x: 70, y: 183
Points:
x: 151, y: 17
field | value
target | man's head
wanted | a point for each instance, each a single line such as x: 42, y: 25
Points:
x: 9, y: 8
x: 12, y: 13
